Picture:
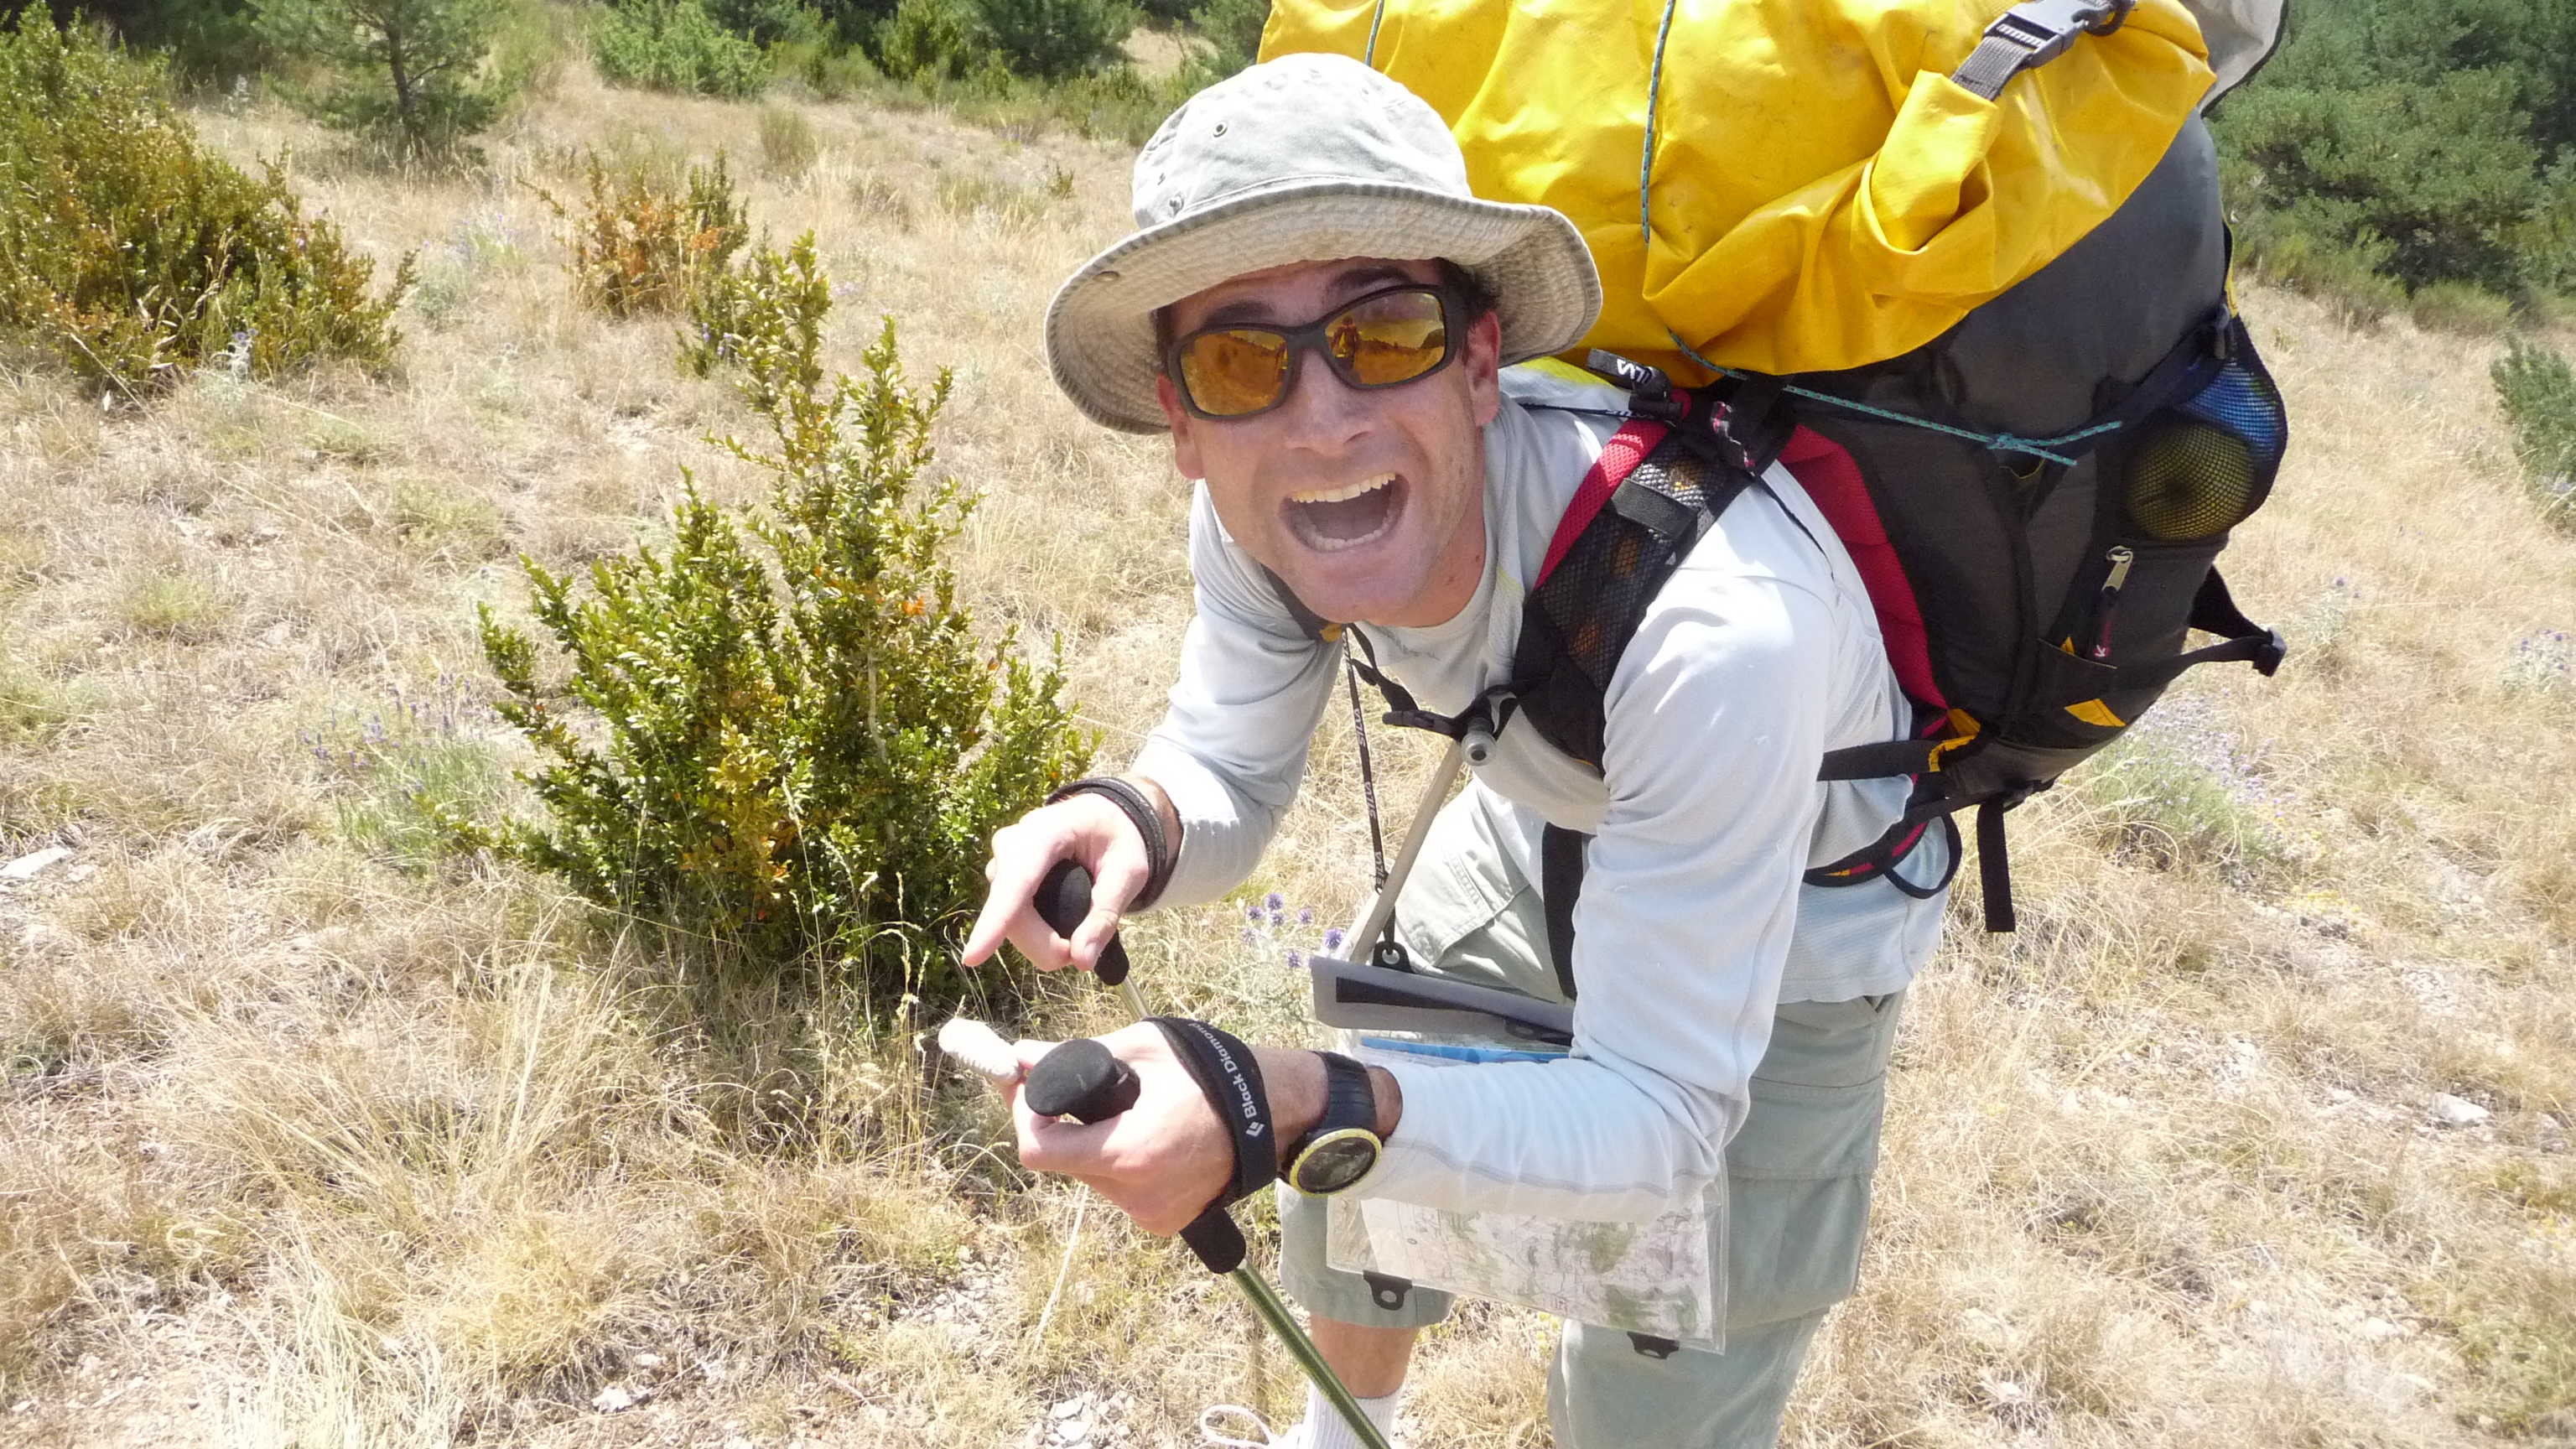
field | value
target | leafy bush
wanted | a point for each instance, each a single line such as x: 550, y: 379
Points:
x: 646, y: 243
x: 832, y: 71
x: 1232, y: 29
x: 788, y: 145
x: 1053, y: 40
x: 2340, y: 273
x: 2538, y: 391
x: 766, y: 317
x: 929, y: 40
x: 675, y: 45
x: 2462, y: 307
x: 129, y: 255
x: 769, y: 22
x: 781, y: 731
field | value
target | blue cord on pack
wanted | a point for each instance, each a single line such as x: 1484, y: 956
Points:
x: 1996, y: 442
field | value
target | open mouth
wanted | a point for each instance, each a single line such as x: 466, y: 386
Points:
x: 1330, y: 519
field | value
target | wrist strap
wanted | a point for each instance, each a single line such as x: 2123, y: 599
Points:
x: 1226, y: 1071
x: 1161, y: 855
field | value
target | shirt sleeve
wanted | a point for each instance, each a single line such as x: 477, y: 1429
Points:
x: 1716, y: 717
x: 1232, y: 745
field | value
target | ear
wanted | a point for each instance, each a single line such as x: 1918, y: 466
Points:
x: 1482, y: 358
x: 1185, y: 440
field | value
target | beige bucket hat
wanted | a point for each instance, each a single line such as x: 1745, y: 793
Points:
x: 1307, y: 158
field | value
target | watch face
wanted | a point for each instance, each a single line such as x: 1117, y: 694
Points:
x: 1335, y: 1162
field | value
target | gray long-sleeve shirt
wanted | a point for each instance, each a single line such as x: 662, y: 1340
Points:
x: 1759, y: 654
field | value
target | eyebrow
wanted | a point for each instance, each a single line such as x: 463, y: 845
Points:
x: 1356, y: 279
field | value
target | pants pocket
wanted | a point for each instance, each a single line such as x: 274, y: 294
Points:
x: 1798, y: 1172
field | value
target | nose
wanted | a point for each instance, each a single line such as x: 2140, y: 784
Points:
x: 1321, y: 410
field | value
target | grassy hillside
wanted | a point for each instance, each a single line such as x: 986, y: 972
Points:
x: 310, y: 1134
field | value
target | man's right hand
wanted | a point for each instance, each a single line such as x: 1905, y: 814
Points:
x: 1085, y: 829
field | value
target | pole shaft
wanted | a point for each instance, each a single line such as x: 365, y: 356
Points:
x: 1308, y: 1357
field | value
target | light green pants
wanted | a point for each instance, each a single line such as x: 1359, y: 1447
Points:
x: 1798, y: 1177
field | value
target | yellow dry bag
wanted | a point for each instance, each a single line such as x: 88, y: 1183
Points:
x: 1785, y: 186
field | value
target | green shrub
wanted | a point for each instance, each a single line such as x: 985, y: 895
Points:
x: 769, y: 22
x: 643, y: 242
x: 2538, y: 392
x: 766, y: 318
x: 396, y: 775
x: 831, y: 71
x: 788, y: 145
x: 2462, y: 307
x: 1053, y: 40
x: 130, y: 255
x: 405, y: 74
x: 780, y: 731
x: 675, y: 45
x: 2178, y: 790
x: 2341, y: 274
x: 929, y: 40
x: 1232, y: 29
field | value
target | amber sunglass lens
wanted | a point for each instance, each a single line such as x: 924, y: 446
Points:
x: 1391, y: 339
x: 1235, y: 372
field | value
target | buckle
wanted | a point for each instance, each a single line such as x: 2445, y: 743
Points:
x: 2274, y: 650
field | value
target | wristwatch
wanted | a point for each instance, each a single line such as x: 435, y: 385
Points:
x: 1344, y: 1144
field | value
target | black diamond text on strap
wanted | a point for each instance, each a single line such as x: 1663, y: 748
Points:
x: 1225, y: 1070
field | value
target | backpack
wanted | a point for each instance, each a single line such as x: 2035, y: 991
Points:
x: 2035, y: 492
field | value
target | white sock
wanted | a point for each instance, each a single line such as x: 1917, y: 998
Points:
x: 1325, y: 1429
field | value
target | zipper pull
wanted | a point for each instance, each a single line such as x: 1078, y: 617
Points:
x: 2121, y: 557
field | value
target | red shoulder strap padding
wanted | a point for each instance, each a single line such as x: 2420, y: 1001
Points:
x: 1620, y: 456
x: 1832, y: 479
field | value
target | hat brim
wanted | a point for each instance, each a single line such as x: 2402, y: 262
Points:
x: 1100, y: 328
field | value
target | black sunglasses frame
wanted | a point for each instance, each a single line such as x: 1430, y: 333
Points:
x: 1312, y: 337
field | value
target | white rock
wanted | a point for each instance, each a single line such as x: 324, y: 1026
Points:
x: 2379, y: 1329
x: 28, y: 867
x: 1066, y: 1409
x: 646, y: 1360
x: 2453, y: 1111
x: 613, y: 1399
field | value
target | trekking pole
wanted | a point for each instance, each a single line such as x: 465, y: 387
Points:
x: 1081, y: 1080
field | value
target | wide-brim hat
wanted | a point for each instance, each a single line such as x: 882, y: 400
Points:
x: 1307, y: 158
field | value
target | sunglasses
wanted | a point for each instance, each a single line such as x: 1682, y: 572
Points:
x: 1385, y: 339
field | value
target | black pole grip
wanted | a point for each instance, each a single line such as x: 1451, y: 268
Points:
x: 1216, y: 1240
x: 1081, y: 1080
x: 1063, y: 899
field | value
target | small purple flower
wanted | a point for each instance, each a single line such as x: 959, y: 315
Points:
x: 1274, y: 902
x: 1252, y: 913
x: 1278, y: 919
x: 1296, y: 960
x: 1305, y: 915
x: 1332, y: 938
x: 1249, y: 938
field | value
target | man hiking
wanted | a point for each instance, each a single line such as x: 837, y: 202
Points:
x: 1325, y: 320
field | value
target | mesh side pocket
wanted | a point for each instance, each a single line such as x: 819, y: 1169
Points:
x: 2199, y: 468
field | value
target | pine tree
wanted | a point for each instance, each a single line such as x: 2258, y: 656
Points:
x: 407, y: 73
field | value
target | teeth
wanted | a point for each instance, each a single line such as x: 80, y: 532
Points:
x: 1341, y: 495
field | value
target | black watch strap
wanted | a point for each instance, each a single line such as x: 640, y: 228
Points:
x: 1349, y: 1099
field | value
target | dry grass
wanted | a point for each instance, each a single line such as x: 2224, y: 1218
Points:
x: 313, y: 1134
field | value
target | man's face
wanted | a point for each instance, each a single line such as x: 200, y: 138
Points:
x: 1370, y: 504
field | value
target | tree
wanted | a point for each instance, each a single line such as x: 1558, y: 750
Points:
x: 407, y: 73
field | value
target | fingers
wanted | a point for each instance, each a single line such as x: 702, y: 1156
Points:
x: 1085, y: 829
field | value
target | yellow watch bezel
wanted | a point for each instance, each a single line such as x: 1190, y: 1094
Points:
x: 1308, y: 1148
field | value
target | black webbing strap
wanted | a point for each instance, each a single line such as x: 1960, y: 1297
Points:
x: 1879, y: 761
x: 1994, y: 866
x: 2033, y: 34
x: 1227, y: 1072
x: 1560, y: 880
